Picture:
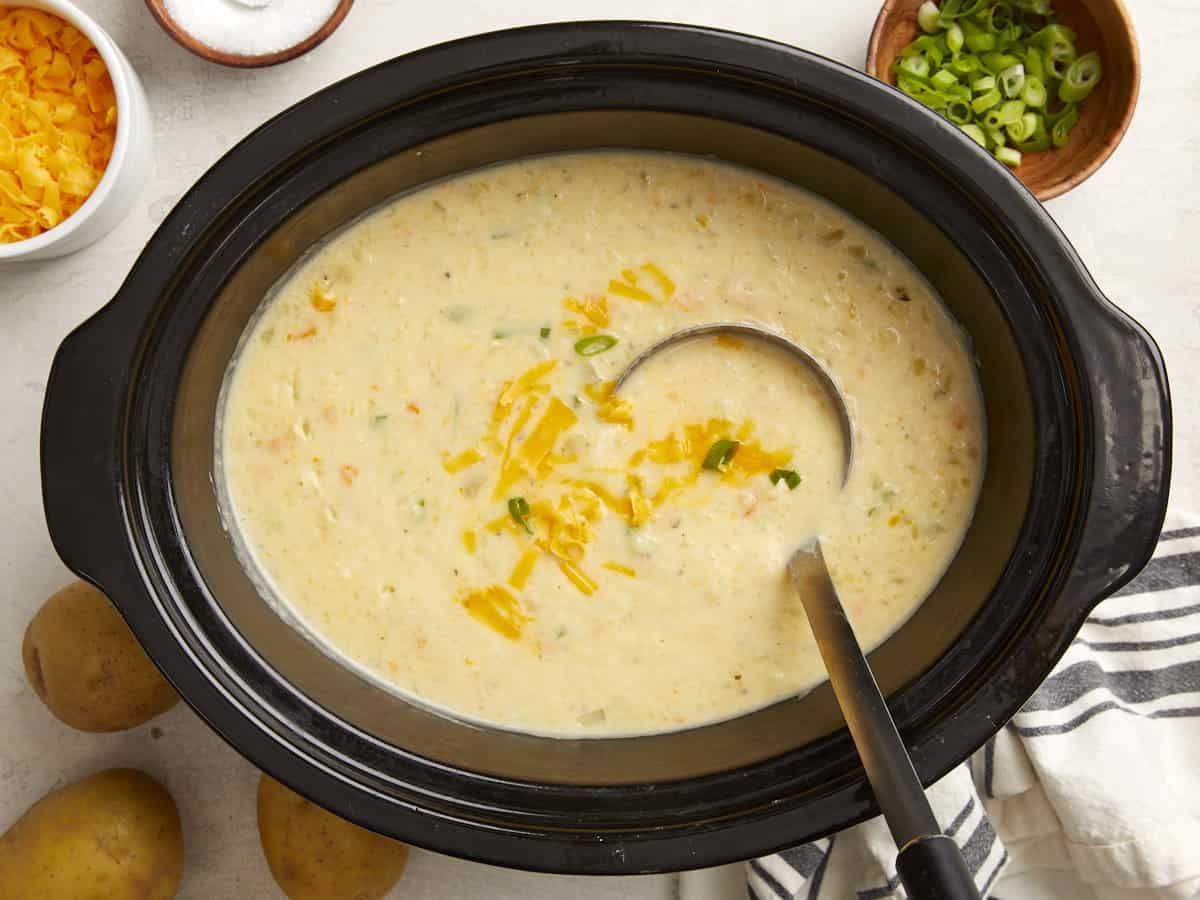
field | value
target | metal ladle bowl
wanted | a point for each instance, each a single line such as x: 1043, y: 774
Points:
x: 930, y: 863
x: 823, y: 378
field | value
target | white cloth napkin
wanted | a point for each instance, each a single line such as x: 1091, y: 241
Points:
x: 1098, y: 773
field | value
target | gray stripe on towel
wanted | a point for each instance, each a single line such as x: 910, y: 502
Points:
x: 1129, y: 646
x: 1183, y: 712
x: 1163, y: 573
x: 1177, y: 533
x: 769, y: 880
x: 1135, y: 686
x: 1156, y: 615
x: 975, y: 851
x: 815, y: 890
x: 987, y: 885
x: 804, y: 859
x: 961, y: 817
x: 877, y: 893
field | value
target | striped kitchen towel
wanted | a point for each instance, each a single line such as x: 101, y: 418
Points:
x: 1097, y: 775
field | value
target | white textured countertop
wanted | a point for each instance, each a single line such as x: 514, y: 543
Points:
x: 1135, y: 223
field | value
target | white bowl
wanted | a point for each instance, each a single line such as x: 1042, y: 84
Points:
x: 128, y: 169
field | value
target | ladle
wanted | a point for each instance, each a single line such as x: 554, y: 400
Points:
x: 929, y: 863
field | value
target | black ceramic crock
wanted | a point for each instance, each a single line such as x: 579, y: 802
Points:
x: 1074, y: 495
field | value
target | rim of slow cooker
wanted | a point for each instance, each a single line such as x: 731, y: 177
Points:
x: 225, y: 193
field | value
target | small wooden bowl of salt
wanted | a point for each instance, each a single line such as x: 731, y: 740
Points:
x: 249, y: 34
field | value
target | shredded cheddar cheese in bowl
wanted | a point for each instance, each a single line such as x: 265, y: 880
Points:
x: 58, y: 121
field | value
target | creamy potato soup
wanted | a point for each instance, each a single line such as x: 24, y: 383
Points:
x: 428, y: 468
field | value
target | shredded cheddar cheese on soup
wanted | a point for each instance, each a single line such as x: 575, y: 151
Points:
x: 58, y: 121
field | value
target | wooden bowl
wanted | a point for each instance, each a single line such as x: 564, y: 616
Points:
x: 1101, y: 25
x: 158, y: 9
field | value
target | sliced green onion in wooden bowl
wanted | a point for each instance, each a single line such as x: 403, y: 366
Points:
x: 1005, y: 71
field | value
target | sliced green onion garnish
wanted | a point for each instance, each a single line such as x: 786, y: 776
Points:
x: 965, y: 64
x: 1040, y: 140
x: 958, y: 112
x: 928, y: 17
x: 986, y: 101
x: 1008, y: 156
x: 1034, y: 91
x: 969, y: 25
x: 975, y: 133
x: 943, y: 79
x: 984, y: 84
x: 1023, y: 129
x: 719, y: 455
x: 1033, y: 63
x: 1012, y: 80
x: 595, y: 344
x: 915, y: 65
x: 1059, y: 56
x: 1051, y: 35
x: 954, y: 37
x: 1063, y: 110
x: 1011, y: 111
x: 981, y: 43
x: 998, y: 62
x: 519, y: 510
x: 921, y: 91
x: 929, y: 46
x: 921, y: 45
x: 545, y: 332
x: 999, y: 17
x: 1061, y: 129
x: 787, y: 476
x: 1082, y: 76
x: 994, y: 67
x: 954, y: 9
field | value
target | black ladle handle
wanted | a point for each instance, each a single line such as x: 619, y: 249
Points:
x: 930, y: 863
x: 933, y: 868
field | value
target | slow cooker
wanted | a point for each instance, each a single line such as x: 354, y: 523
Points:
x: 1072, y: 502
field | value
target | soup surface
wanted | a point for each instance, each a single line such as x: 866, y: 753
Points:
x: 423, y: 457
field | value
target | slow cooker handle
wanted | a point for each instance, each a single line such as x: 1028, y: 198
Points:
x: 1129, y: 402
x: 81, y: 416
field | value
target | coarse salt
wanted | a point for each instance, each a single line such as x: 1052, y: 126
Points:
x: 251, y: 27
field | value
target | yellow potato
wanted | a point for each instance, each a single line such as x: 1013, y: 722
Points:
x: 113, y: 836
x: 314, y: 855
x: 87, y: 666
